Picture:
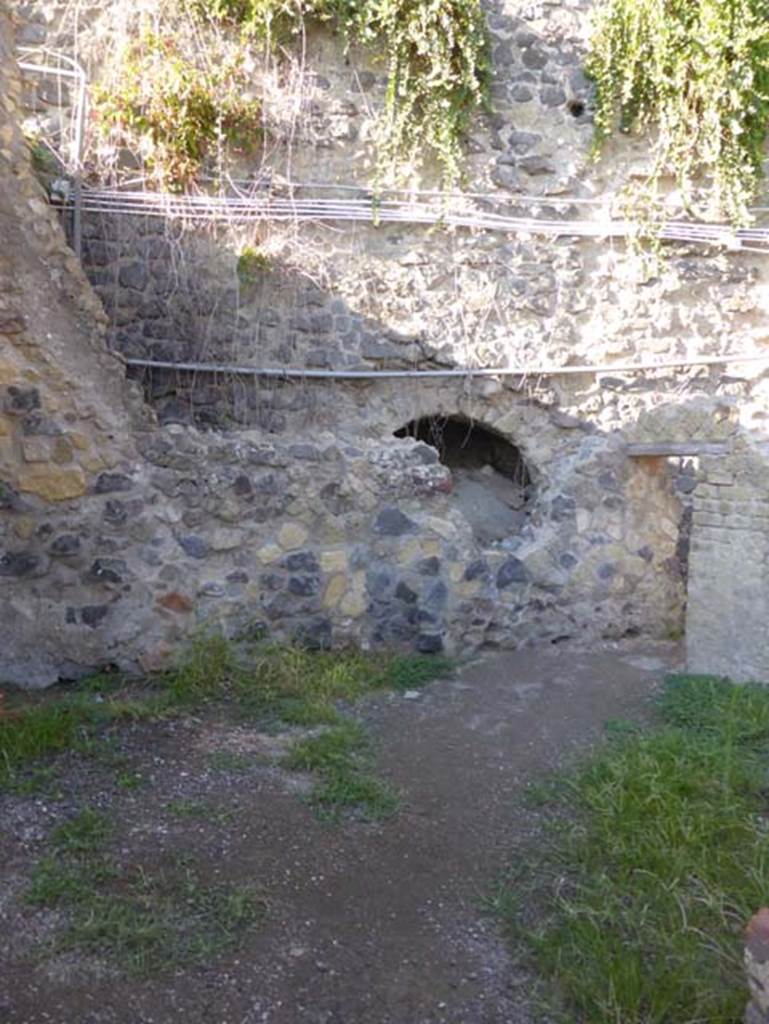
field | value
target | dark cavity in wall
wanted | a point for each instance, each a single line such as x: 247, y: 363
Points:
x: 492, y: 484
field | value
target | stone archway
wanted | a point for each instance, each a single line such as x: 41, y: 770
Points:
x: 492, y: 483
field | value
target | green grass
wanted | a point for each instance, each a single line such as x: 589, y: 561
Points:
x: 341, y: 756
x: 57, y: 881
x: 45, y: 725
x: 87, y: 831
x: 31, y: 782
x: 75, y: 861
x: 142, y: 921
x: 634, y: 905
x: 268, y: 684
x: 230, y: 761
x: 161, y: 922
x: 287, y: 684
x: 329, y: 751
x: 299, y: 687
x: 130, y: 780
x: 204, y: 810
x: 356, y: 791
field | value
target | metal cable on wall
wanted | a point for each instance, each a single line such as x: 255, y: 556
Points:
x: 547, y: 370
x: 203, y: 208
x: 282, y: 201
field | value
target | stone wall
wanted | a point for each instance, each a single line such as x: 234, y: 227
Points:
x: 729, y: 565
x: 119, y: 538
x: 406, y: 297
x: 119, y: 534
x: 341, y: 295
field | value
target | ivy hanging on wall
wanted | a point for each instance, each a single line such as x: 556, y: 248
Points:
x: 696, y: 72
x: 436, y: 54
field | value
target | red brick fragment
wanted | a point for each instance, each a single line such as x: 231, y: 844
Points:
x: 176, y: 602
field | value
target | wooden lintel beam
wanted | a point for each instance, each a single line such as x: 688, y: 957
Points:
x: 635, y: 451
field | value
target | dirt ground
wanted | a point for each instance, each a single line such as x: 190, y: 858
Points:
x: 365, y: 923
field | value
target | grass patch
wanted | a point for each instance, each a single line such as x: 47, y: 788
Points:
x: 75, y: 862
x: 171, y: 919
x: 203, y: 810
x: 273, y: 685
x: 356, y: 791
x: 300, y: 687
x: 289, y: 685
x: 412, y: 671
x: 658, y: 858
x: 48, y: 725
x: 230, y: 761
x: 130, y: 780
x: 86, y: 832
x: 329, y: 751
x: 56, y: 882
x: 209, y: 668
x: 342, y: 757
x: 31, y: 782
x: 251, y: 264
x: 145, y: 922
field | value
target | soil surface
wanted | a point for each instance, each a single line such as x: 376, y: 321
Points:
x: 366, y: 923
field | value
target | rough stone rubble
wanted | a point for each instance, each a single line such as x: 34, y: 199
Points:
x: 126, y: 521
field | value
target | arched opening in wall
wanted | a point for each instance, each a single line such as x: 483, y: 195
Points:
x: 492, y: 483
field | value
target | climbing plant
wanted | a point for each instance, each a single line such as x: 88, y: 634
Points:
x: 174, y: 112
x: 250, y: 263
x: 696, y: 72
x: 435, y: 51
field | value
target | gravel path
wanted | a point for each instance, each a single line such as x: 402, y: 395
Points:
x: 366, y: 923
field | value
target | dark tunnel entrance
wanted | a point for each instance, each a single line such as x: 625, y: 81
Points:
x: 492, y: 483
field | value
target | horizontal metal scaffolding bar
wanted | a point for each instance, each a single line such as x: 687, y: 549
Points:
x: 372, y: 210
x: 300, y: 373
x: 677, y: 448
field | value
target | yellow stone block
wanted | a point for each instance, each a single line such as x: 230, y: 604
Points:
x: 36, y: 449
x: 333, y: 561
x: 409, y: 551
x: 53, y: 483
x: 24, y: 527
x: 269, y: 553
x: 292, y: 535
x: 443, y: 527
x: 469, y: 588
x: 92, y: 463
x: 456, y: 572
x: 354, y: 603
x: 8, y: 372
x: 8, y: 455
x: 333, y: 532
x: 62, y: 451
x: 5, y: 426
x: 335, y: 589
x: 79, y: 441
